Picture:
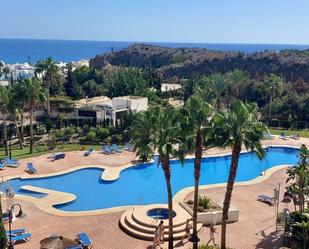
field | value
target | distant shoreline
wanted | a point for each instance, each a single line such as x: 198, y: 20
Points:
x: 31, y: 50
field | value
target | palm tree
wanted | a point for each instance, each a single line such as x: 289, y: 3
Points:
x: 159, y: 130
x: 21, y: 99
x: 47, y: 68
x: 4, y: 101
x: 35, y: 94
x: 216, y: 86
x: 235, y: 127
x: 197, y: 115
x: 273, y: 87
x: 299, y: 175
x: 14, y: 109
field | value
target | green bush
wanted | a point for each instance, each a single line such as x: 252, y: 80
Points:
x: 102, y: 133
x: 52, y: 142
x: 204, y: 202
x: 69, y: 131
x: 116, y: 138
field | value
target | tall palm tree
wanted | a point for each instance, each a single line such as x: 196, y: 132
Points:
x: 47, y: 68
x: 197, y: 116
x: 35, y: 94
x: 299, y: 176
x: 14, y: 109
x: 235, y: 127
x: 4, y: 101
x: 21, y: 99
x: 273, y: 86
x: 158, y: 130
x: 216, y: 86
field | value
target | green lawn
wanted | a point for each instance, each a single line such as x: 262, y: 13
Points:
x: 42, y: 149
x: 302, y: 133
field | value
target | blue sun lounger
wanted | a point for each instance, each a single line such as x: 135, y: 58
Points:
x: 10, y: 162
x: 21, y: 238
x: 16, y: 232
x: 89, y: 152
x: 116, y: 148
x: 266, y: 199
x: 283, y: 136
x: 58, y: 155
x: 129, y: 147
x: 30, y: 168
x: 85, y: 240
x: 2, y: 166
x: 106, y: 150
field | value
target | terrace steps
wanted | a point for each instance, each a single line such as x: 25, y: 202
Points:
x: 141, y: 230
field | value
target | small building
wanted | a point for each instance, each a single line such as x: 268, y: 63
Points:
x: 102, y: 108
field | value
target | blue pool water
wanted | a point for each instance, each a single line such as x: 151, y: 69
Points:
x: 145, y: 184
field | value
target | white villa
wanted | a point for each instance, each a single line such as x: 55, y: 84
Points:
x: 103, y: 108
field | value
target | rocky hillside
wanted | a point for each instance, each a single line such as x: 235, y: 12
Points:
x: 184, y: 62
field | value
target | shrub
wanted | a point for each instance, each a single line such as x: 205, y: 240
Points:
x: 69, y: 131
x: 190, y: 202
x: 102, y: 133
x: 204, y: 202
x: 116, y: 138
x: 52, y: 142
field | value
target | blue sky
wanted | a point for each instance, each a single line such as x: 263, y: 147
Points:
x: 210, y: 21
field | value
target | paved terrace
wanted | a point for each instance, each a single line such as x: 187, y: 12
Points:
x: 255, y: 229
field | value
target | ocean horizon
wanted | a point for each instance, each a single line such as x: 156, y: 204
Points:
x: 31, y: 50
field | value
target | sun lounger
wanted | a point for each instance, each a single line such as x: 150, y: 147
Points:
x: 59, y: 155
x: 11, y: 162
x: 30, y: 168
x: 128, y: 147
x: 266, y: 199
x: 283, y: 136
x: 21, y: 238
x: 116, y: 148
x: 16, y: 232
x: 89, y: 152
x: 295, y: 136
x: 85, y: 240
x: 2, y: 166
x: 268, y: 136
x: 106, y: 150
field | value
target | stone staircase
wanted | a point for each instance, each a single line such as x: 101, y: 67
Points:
x: 135, y: 225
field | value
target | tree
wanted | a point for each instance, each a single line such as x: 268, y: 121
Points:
x: 20, y: 98
x: 14, y: 108
x: 159, y: 130
x: 273, y: 87
x: 197, y: 115
x: 235, y: 127
x: 48, y: 69
x: 299, y: 176
x: 216, y: 86
x: 4, y: 101
x: 35, y: 95
x: 6, y: 71
x: 303, y: 234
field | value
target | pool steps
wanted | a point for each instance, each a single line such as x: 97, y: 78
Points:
x: 132, y: 225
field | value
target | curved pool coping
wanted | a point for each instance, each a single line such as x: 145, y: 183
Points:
x: 52, y: 198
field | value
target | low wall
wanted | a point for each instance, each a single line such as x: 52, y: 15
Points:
x: 212, y: 217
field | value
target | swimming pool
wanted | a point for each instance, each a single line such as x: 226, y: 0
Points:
x: 145, y: 184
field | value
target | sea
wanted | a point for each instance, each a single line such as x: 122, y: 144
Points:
x: 31, y: 50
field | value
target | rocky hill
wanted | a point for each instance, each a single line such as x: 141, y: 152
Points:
x: 184, y: 62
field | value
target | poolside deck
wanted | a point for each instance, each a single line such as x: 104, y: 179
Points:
x: 255, y: 229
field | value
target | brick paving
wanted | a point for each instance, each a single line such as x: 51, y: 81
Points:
x: 255, y: 228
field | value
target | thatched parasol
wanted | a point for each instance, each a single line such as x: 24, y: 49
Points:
x: 57, y: 242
